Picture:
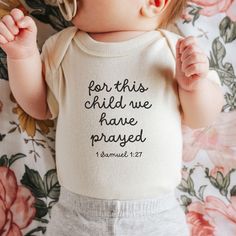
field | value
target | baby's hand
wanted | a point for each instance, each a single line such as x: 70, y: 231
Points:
x: 18, y: 35
x: 192, y: 64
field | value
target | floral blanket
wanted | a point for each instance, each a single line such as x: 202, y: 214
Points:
x: 28, y: 183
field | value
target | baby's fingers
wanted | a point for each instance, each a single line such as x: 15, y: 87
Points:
x: 196, y: 69
x: 186, y: 42
x: 5, y: 33
x: 17, y: 14
x: 3, y: 40
x: 27, y: 23
x: 22, y: 21
x: 10, y: 24
x: 194, y: 59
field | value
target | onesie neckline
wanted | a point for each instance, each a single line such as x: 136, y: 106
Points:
x: 114, y: 49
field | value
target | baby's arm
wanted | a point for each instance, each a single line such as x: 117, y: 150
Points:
x: 18, y: 39
x: 201, y: 99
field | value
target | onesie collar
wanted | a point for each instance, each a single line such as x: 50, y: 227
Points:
x: 114, y: 49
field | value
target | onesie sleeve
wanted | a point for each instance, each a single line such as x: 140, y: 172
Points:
x: 53, y: 52
x: 51, y: 76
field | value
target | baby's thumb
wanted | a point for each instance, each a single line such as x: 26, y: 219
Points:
x: 27, y: 23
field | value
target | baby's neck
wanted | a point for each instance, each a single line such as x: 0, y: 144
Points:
x: 116, y: 36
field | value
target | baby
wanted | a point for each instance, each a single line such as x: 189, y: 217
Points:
x: 120, y: 88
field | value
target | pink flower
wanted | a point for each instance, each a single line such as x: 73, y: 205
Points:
x: 16, y: 205
x: 218, y: 140
x: 212, y: 217
x: 213, y: 7
x: 220, y: 169
x: 199, y: 226
x: 222, y: 216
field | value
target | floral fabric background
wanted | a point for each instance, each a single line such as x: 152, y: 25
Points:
x: 28, y: 183
x: 208, y: 187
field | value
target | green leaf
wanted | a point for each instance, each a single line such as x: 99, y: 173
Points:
x: 219, y: 178
x: 184, y: 183
x: 181, y: 188
x: 212, y: 62
x: 38, y: 229
x: 33, y: 181
x: 213, y: 182
x: 228, y: 30
x: 225, y: 71
x: 4, y: 160
x: 194, y: 11
x: 15, y: 157
x: 227, y: 77
x: 51, y: 204
x: 185, y: 200
x: 52, y: 185
x: 41, y: 208
x: 190, y: 184
x: 201, y: 191
x: 207, y: 172
x: 192, y: 192
x: 218, y: 51
x: 191, y: 171
x: 226, y: 181
x: 2, y: 136
x: 12, y: 130
x: 233, y: 191
x: 231, y: 102
x: 195, y: 17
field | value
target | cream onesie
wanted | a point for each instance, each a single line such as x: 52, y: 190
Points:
x: 119, y: 124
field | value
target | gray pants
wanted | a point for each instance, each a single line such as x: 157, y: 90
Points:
x: 77, y: 215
